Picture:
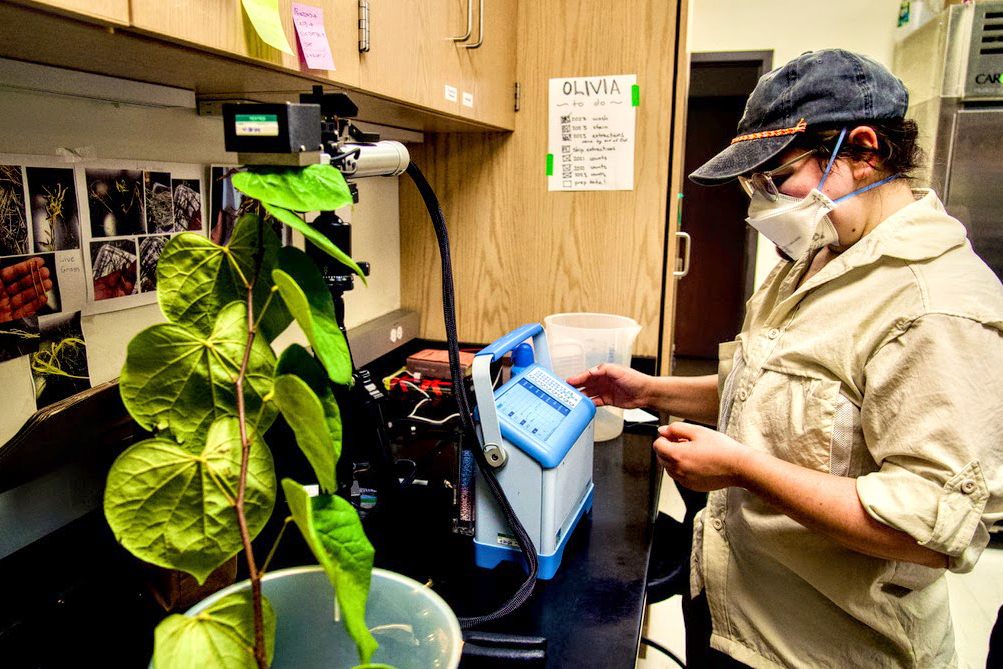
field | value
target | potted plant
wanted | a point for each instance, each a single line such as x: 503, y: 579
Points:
x: 207, y: 385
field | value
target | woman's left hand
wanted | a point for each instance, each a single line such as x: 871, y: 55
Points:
x: 700, y: 458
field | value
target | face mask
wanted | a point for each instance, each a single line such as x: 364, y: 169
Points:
x: 795, y: 226
x: 798, y: 226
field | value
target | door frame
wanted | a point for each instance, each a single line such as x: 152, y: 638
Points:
x: 665, y: 361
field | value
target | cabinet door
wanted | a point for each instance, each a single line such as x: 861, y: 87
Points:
x: 222, y: 25
x: 114, y: 11
x: 487, y: 93
x: 411, y: 57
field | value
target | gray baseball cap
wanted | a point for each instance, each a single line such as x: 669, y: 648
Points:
x: 825, y: 88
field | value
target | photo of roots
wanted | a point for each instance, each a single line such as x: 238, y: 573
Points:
x: 115, y: 202
x: 113, y: 267
x: 30, y: 287
x: 55, y: 221
x: 226, y: 203
x: 159, y: 204
x: 13, y: 216
x: 18, y: 337
x: 59, y: 367
x: 187, y: 204
x: 150, y: 249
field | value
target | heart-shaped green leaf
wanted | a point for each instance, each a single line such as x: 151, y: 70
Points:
x: 175, y: 508
x: 296, y: 360
x: 315, y: 237
x: 221, y: 637
x: 334, y: 533
x: 310, y: 188
x: 306, y: 416
x: 305, y: 294
x: 178, y: 380
x: 196, y: 278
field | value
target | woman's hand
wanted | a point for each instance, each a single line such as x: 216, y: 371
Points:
x: 700, y: 458
x: 613, y: 385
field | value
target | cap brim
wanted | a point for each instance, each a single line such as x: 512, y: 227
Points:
x: 739, y: 158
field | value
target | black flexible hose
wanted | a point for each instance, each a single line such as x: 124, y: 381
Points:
x: 659, y: 647
x: 463, y: 404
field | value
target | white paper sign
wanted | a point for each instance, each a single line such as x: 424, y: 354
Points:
x: 309, y: 23
x: 591, y: 144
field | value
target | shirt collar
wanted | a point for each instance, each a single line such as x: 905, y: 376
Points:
x: 919, y: 231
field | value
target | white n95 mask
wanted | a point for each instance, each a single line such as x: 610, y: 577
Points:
x: 796, y: 226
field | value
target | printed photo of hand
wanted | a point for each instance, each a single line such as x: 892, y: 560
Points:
x: 117, y: 284
x: 24, y: 287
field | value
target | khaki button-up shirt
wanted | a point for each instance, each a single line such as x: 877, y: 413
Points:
x: 886, y: 366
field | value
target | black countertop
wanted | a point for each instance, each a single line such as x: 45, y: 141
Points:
x: 591, y: 611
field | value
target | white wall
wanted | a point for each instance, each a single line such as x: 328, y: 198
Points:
x: 39, y: 124
x: 789, y: 28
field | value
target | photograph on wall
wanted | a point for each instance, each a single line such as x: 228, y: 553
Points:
x: 225, y: 204
x: 54, y: 219
x: 30, y: 286
x: 150, y: 249
x: 113, y: 268
x: 115, y: 202
x: 187, y: 204
x: 18, y: 337
x: 59, y: 367
x: 13, y: 215
x: 159, y: 203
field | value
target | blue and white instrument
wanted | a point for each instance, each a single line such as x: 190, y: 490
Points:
x: 537, y: 431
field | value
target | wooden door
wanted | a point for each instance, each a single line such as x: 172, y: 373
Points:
x: 519, y: 251
x: 488, y: 72
x: 411, y: 57
x: 223, y: 26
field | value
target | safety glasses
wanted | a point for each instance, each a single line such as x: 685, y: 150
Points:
x: 762, y: 182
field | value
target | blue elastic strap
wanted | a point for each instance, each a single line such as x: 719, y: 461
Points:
x: 867, y: 188
x: 835, y: 152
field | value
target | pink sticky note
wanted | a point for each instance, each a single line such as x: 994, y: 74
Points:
x: 309, y: 23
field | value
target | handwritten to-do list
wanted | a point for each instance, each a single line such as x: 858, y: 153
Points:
x: 591, y: 138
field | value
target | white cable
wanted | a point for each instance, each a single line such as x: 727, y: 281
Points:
x: 418, y: 388
x: 435, y: 422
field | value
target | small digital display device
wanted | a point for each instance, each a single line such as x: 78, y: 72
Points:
x: 542, y: 414
x: 537, y: 403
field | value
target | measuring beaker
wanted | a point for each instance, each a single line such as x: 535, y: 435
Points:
x: 579, y: 341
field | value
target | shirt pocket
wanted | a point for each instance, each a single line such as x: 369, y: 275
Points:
x: 795, y: 416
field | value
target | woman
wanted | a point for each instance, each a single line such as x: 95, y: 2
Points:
x: 860, y: 409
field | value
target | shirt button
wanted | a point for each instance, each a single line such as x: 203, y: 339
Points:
x: 774, y: 333
x: 717, y: 523
x: 968, y: 486
x: 743, y: 394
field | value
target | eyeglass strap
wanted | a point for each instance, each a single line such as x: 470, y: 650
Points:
x: 835, y: 152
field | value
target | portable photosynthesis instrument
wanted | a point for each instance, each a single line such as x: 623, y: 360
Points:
x: 537, y: 432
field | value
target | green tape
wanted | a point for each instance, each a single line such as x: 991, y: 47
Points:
x: 635, y: 95
x: 550, y: 164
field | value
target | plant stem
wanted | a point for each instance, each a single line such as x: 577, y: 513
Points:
x: 245, y: 448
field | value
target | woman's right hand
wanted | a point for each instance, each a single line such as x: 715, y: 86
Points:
x: 613, y: 385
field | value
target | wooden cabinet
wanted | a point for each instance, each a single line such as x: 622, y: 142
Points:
x: 411, y: 55
x: 521, y: 252
x: 111, y: 11
x: 487, y: 89
x: 222, y: 25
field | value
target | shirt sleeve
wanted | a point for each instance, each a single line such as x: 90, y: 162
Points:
x: 932, y: 417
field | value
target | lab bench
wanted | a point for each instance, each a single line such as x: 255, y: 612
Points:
x: 76, y: 594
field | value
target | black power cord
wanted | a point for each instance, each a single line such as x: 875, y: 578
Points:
x: 463, y: 405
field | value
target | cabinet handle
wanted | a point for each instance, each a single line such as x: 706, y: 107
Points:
x: 470, y: 23
x: 480, y: 29
x: 686, y: 254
